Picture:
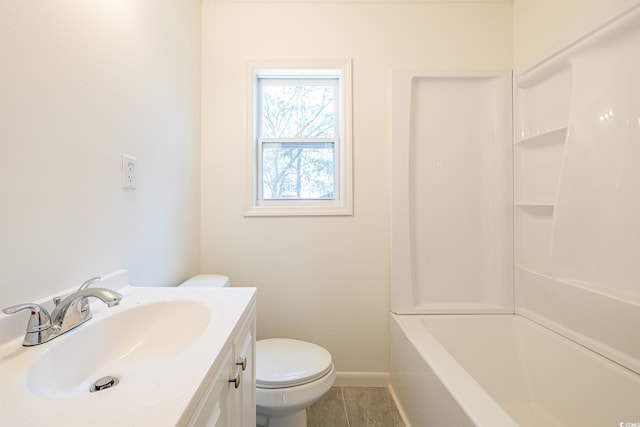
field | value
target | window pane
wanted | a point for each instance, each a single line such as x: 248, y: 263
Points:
x: 298, y: 170
x: 300, y: 109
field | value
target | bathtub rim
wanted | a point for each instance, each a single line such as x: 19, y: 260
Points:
x: 474, y: 400
x: 611, y: 377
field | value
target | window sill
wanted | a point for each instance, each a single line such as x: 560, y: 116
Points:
x: 334, y: 210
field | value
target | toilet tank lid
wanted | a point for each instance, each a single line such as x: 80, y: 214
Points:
x: 207, y: 281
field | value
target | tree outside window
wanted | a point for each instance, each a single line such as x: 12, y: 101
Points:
x: 297, y: 137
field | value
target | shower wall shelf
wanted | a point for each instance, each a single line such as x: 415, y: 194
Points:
x: 551, y: 136
x: 541, y: 130
x: 527, y: 205
x: 533, y: 225
x: 538, y: 159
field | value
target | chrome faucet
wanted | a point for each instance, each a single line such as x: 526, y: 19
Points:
x: 68, y: 313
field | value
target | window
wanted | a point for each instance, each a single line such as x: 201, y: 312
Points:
x: 301, y: 140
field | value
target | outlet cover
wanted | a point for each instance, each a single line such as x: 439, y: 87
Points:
x: 129, y: 172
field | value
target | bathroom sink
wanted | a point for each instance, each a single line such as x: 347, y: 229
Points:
x: 159, y: 343
x: 119, y: 345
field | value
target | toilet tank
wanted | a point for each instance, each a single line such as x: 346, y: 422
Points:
x: 206, y: 281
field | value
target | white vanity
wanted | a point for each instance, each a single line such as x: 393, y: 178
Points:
x: 227, y: 398
x: 177, y: 356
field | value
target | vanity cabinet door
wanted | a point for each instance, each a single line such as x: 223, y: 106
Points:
x: 245, y: 395
x: 216, y: 406
x: 230, y: 397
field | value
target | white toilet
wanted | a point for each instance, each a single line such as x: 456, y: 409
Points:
x: 291, y: 375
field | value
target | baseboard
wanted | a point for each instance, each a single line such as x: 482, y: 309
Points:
x: 362, y: 379
x: 403, y: 415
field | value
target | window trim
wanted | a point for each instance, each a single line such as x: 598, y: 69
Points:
x: 343, y: 204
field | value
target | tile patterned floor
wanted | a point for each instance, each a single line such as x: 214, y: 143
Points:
x: 355, y: 407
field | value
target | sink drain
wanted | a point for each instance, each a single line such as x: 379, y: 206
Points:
x: 104, y: 383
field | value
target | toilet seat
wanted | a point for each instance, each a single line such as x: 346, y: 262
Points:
x: 282, y: 362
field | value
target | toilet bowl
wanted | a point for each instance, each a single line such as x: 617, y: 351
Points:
x: 291, y: 375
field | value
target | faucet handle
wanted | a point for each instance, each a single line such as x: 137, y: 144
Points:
x: 90, y: 282
x: 39, y: 319
x: 86, y: 284
x: 84, y: 302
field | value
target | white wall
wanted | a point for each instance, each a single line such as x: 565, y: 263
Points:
x: 81, y: 82
x: 324, y: 279
x: 542, y: 26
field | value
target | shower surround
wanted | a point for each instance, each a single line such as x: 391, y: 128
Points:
x: 564, y: 179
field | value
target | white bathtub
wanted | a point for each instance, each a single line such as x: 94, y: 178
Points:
x: 504, y: 370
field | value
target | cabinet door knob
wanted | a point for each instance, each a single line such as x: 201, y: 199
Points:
x: 242, y: 363
x: 236, y: 381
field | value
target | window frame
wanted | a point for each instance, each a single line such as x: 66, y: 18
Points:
x: 342, y: 203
